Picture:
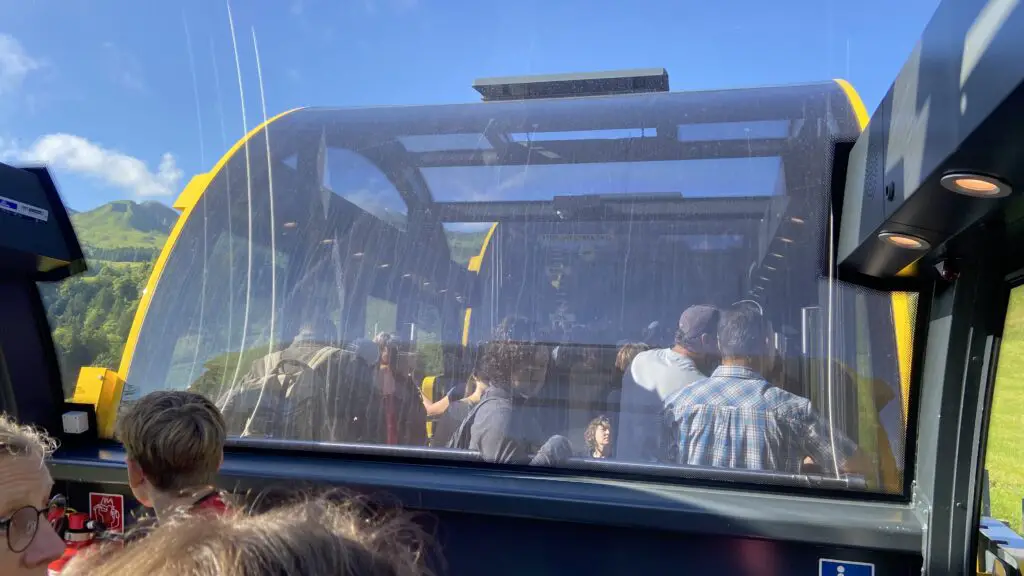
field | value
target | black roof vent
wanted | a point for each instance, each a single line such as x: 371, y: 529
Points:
x: 573, y: 85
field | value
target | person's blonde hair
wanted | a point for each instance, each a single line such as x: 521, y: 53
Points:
x: 176, y: 438
x: 309, y: 538
x: 19, y: 440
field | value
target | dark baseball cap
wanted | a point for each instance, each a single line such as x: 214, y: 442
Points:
x: 696, y: 321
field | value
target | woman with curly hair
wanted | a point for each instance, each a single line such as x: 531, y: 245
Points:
x: 502, y: 427
x: 598, y: 438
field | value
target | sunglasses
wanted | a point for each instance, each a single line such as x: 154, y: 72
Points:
x: 23, y: 525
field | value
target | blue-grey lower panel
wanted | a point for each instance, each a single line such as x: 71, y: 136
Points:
x: 497, y: 521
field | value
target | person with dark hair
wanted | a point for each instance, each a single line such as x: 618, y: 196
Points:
x: 501, y: 427
x: 653, y: 376
x: 737, y: 419
x: 598, y: 438
x: 405, y: 416
x: 455, y: 412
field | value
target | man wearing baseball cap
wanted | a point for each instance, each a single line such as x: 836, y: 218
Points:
x: 655, y: 375
x: 737, y: 419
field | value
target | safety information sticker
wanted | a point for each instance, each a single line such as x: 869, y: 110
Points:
x: 107, y: 509
x: 829, y: 567
x: 24, y: 210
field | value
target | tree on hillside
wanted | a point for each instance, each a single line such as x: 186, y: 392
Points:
x: 92, y: 314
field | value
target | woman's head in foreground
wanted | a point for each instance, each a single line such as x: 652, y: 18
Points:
x: 27, y: 541
x: 310, y: 538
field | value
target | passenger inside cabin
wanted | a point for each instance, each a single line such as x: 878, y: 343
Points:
x: 598, y: 438
x: 735, y: 418
x: 624, y: 357
x: 503, y: 427
x: 655, y: 375
x: 455, y: 412
x: 404, y: 414
x: 174, y: 446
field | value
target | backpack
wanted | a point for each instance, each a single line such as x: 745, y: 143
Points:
x: 284, y: 402
x: 461, y: 437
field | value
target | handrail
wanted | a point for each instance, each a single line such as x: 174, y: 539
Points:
x: 844, y: 482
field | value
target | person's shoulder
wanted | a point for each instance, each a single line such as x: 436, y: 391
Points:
x: 784, y: 401
x: 458, y: 410
x: 647, y: 356
x: 699, y: 388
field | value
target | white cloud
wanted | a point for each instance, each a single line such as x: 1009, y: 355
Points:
x: 79, y: 155
x: 15, y: 63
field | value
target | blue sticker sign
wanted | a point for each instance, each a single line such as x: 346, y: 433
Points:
x: 23, y: 210
x: 829, y: 567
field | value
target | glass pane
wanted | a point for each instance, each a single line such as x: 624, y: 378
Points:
x: 1002, y: 457
x: 571, y: 285
x: 361, y: 183
x: 713, y: 178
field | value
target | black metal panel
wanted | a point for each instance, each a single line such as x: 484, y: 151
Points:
x: 556, y: 496
x: 36, y: 237
x: 569, y: 85
x: 471, y: 537
x: 31, y: 361
x: 954, y: 107
x: 955, y: 390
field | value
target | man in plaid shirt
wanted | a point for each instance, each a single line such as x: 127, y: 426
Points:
x: 737, y: 419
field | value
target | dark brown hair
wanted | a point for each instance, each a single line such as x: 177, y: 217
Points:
x: 590, y: 434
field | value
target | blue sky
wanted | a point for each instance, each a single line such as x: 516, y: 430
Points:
x: 105, y: 89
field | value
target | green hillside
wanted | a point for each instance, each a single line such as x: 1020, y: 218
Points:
x: 91, y: 314
x: 125, y: 225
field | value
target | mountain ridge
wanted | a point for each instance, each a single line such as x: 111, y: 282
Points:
x: 125, y: 225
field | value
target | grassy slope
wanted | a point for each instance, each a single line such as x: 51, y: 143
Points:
x: 1006, y: 473
x: 125, y: 224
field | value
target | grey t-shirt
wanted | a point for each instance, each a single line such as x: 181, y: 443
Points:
x: 652, y: 377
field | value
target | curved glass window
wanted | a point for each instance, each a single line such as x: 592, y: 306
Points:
x: 548, y: 275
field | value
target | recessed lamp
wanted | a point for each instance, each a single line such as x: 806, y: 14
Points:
x: 905, y: 241
x: 975, y: 185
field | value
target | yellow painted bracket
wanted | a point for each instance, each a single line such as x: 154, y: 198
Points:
x: 102, y: 388
x: 193, y: 191
x: 428, y: 392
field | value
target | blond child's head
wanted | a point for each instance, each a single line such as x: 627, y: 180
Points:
x: 174, y: 442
